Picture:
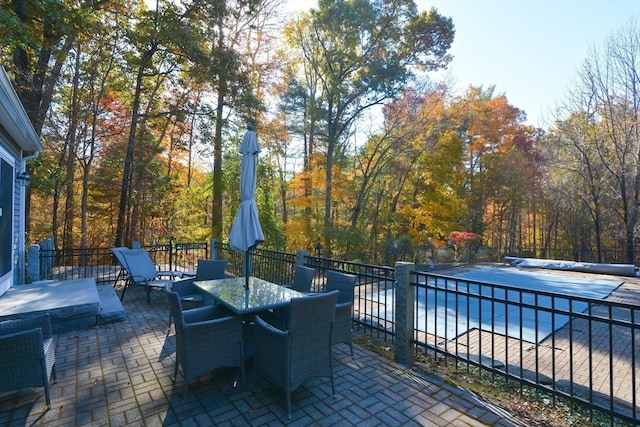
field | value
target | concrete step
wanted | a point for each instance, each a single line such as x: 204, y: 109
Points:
x: 111, y: 309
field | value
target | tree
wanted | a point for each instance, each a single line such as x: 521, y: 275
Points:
x: 363, y: 54
x: 463, y: 243
x: 604, y: 123
x: 488, y: 125
x: 227, y: 25
x: 403, y: 172
x: 163, y: 45
x: 36, y: 38
x: 578, y: 154
x: 512, y: 176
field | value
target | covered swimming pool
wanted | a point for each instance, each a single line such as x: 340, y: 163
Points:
x: 454, y: 307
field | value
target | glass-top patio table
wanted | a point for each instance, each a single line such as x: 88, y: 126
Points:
x: 261, y: 295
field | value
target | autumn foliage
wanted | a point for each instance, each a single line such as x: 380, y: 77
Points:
x: 141, y: 113
x: 463, y: 243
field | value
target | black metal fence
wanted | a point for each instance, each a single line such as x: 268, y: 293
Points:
x: 99, y: 263
x: 374, y: 289
x: 590, y: 357
x: 273, y: 266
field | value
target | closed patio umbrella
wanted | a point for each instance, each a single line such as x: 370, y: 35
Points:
x: 246, y: 232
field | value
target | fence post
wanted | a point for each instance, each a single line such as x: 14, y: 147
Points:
x: 46, y: 264
x: 404, y: 307
x: 214, y: 248
x: 33, y: 263
x: 171, y: 254
x: 301, y: 256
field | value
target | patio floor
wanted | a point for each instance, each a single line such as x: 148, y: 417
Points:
x: 120, y: 374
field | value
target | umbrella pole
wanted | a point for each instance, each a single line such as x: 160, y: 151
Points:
x: 246, y: 269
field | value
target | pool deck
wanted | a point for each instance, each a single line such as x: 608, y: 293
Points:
x: 119, y: 374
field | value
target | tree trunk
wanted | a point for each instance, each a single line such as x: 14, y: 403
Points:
x: 216, y: 209
x: 69, y: 210
x: 128, y: 161
x: 216, y: 221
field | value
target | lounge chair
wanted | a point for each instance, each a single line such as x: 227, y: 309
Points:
x: 123, y: 274
x: 142, y: 271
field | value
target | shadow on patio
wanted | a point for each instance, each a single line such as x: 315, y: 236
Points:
x: 120, y: 374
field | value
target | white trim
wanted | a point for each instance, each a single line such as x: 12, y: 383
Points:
x: 7, y: 155
x: 14, y: 119
x: 6, y: 282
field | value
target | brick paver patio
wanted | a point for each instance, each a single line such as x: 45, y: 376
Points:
x: 120, y: 374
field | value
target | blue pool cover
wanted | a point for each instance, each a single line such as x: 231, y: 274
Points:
x: 447, y: 314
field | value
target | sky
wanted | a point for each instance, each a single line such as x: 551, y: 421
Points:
x: 530, y: 50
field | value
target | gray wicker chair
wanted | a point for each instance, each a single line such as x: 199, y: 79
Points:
x: 206, y: 339
x: 345, y: 284
x: 27, y: 354
x: 290, y: 357
x: 211, y: 269
x: 192, y: 296
x: 303, y: 278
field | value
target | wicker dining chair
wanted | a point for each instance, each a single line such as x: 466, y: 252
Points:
x: 345, y: 284
x: 206, y: 339
x: 27, y: 354
x: 290, y: 357
x: 192, y: 296
x: 303, y: 278
x: 211, y: 269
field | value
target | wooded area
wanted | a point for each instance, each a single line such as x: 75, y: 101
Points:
x: 141, y: 108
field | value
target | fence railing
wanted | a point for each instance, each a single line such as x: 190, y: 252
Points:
x: 374, y: 288
x: 48, y: 263
x: 590, y: 359
x: 590, y: 356
x: 274, y: 266
x: 278, y: 267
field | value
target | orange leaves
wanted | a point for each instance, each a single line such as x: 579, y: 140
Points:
x: 490, y: 123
